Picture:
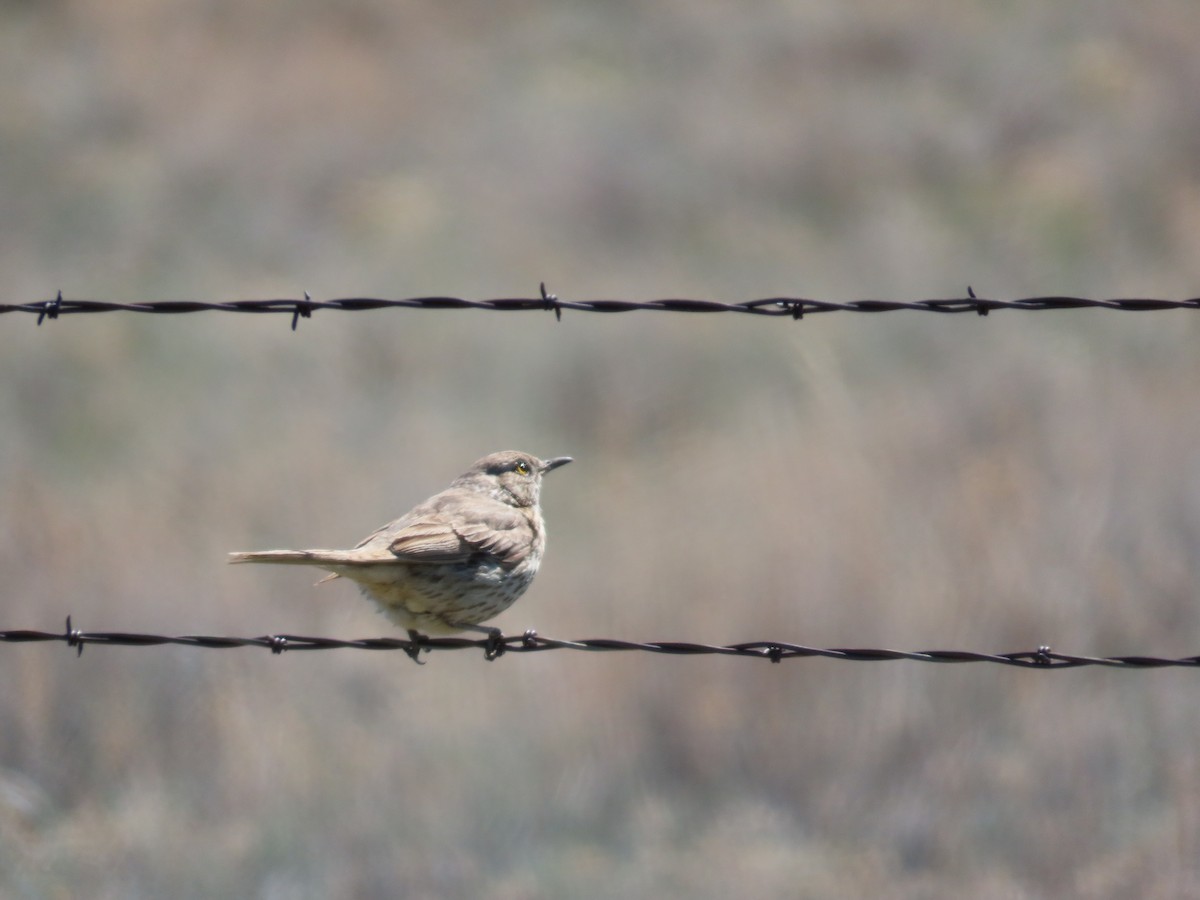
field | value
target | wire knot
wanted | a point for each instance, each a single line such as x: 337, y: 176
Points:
x: 73, y: 636
x: 980, y: 308
x: 304, y: 310
x: 51, y: 308
x: 550, y: 302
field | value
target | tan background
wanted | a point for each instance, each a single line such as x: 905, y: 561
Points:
x: 902, y: 480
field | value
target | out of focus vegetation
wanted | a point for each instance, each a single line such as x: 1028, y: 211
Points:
x: 900, y: 480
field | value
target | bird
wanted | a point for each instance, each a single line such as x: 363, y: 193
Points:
x: 455, y: 560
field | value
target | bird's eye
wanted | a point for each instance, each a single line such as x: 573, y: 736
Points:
x: 522, y: 467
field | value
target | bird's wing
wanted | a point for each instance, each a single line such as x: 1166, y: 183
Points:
x: 431, y: 539
x: 502, y: 533
x: 450, y: 533
x: 504, y: 537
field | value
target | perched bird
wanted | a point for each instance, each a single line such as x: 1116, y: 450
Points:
x: 458, y: 559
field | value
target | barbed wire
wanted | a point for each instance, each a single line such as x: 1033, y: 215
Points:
x: 498, y: 645
x: 787, y: 307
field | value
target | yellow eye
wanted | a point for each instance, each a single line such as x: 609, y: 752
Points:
x: 522, y: 467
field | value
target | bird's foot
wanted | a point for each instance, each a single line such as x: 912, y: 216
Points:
x: 494, y: 645
x: 416, y: 641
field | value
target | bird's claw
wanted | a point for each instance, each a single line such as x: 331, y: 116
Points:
x: 494, y: 645
x: 416, y: 641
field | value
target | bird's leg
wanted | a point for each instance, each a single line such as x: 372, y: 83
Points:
x: 495, y: 638
x: 415, y: 640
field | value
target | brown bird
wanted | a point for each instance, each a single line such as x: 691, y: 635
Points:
x: 458, y: 559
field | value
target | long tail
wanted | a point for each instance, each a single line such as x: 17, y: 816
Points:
x: 296, y: 557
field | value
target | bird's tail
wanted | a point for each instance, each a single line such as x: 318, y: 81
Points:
x: 295, y: 557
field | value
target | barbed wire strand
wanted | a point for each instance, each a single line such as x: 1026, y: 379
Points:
x: 786, y: 307
x: 774, y: 651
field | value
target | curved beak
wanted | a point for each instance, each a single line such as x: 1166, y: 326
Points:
x: 551, y: 464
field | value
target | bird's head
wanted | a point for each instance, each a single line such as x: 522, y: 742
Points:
x: 510, y: 476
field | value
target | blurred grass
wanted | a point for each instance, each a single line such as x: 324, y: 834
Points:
x: 908, y: 481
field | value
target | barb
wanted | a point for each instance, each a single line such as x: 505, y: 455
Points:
x: 794, y: 308
x: 531, y: 642
x: 303, y: 310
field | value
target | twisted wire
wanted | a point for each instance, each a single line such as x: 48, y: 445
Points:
x: 786, y: 307
x: 531, y: 642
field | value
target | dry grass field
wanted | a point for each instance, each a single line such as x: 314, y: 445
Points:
x: 900, y: 480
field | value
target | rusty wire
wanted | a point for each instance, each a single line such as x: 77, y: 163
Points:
x: 788, y: 307
x: 500, y: 645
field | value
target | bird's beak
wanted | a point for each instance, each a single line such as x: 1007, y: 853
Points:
x: 555, y: 463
